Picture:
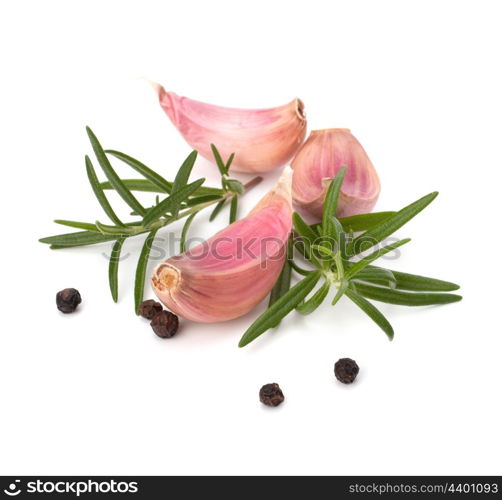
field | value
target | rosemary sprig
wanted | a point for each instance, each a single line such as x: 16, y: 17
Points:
x: 181, y: 199
x: 330, y: 250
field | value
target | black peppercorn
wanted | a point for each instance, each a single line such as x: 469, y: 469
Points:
x: 346, y: 370
x: 149, y: 308
x: 67, y: 300
x: 271, y: 395
x: 165, y: 324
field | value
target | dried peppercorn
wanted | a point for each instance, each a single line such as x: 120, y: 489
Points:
x: 346, y: 370
x: 149, y: 308
x: 67, y: 300
x: 271, y: 395
x: 165, y: 324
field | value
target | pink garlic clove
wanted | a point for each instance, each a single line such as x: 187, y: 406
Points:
x: 229, y: 274
x: 319, y: 160
x: 262, y: 139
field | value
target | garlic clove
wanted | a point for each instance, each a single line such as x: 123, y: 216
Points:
x: 262, y: 139
x: 229, y: 274
x: 318, y: 161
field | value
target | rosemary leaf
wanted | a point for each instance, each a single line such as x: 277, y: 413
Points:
x: 390, y: 225
x: 198, y: 200
x: 139, y: 284
x: 341, y: 290
x: 181, y: 179
x: 217, y: 210
x: 229, y: 162
x: 282, y: 284
x: 98, y: 191
x: 402, y: 298
x: 184, y: 231
x: 371, y: 311
x: 117, y: 230
x: 377, y: 275
x: 149, y: 187
x: 219, y: 161
x: 308, y: 235
x: 136, y: 185
x: 149, y: 174
x: 113, y: 268
x: 364, y: 222
x: 310, y: 305
x: 414, y: 282
x: 78, y: 225
x: 329, y: 229
x: 233, y: 208
x: 353, y: 270
x: 171, y: 203
x: 78, y: 239
x: 298, y: 269
x: 303, y: 229
x: 280, y: 308
x: 112, y: 176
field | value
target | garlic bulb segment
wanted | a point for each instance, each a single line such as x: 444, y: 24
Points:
x: 229, y: 274
x: 319, y: 159
x: 262, y: 139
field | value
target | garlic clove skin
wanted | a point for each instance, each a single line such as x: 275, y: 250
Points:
x: 262, y: 139
x: 232, y: 272
x: 319, y: 160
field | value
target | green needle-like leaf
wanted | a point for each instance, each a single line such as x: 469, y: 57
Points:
x: 118, y: 230
x: 330, y: 204
x: 219, y: 161
x: 143, y: 185
x: 303, y: 229
x: 157, y: 180
x: 113, y: 268
x: 229, y: 162
x: 364, y: 222
x: 78, y: 225
x: 378, y: 276
x: 353, y: 270
x: 98, y: 191
x: 149, y: 187
x: 182, y: 176
x: 325, y: 251
x: 184, y: 231
x: 112, y: 176
x: 414, y: 282
x: 390, y: 225
x: 199, y: 200
x: 339, y: 293
x: 171, y: 203
x: 233, y: 208
x: 298, y: 269
x: 308, y: 235
x: 280, y: 308
x: 282, y: 285
x: 311, y: 304
x: 78, y: 239
x: 399, y: 297
x: 217, y: 209
x: 139, y: 284
x: 371, y: 311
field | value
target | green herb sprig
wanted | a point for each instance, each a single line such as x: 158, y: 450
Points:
x: 333, y: 257
x: 181, y: 200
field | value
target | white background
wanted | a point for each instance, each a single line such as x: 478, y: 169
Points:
x: 419, y: 83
